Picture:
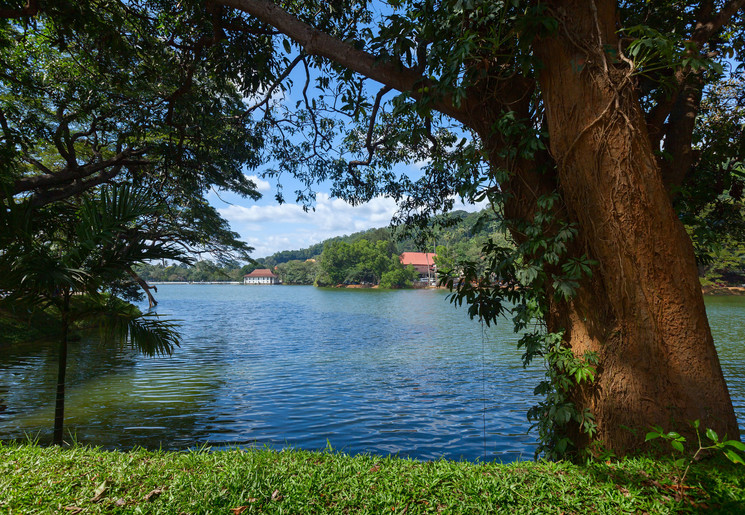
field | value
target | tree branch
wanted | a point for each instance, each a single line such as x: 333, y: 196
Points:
x: 75, y: 188
x: 84, y: 134
x: 67, y: 175
x: 7, y: 134
x: 706, y: 29
x: 311, y: 111
x: 679, y: 134
x: 62, y: 131
x: 274, y: 86
x: 316, y: 42
x: 201, y: 44
x: 38, y: 165
x: 146, y: 287
x: 681, y: 107
x: 369, y: 145
x: 30, y: 9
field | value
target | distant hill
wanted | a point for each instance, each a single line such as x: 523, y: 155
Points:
x: 455, y: 229
x: 459, y: 233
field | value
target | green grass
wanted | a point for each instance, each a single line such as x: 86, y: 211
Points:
x: 35, y: 479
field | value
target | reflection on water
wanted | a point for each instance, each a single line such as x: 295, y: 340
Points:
x: 727, y: 321
x: 364, y: 371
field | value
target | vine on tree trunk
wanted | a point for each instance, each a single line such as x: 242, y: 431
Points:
x: 522, y: 282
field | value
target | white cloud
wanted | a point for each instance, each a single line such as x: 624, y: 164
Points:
x: 277, y: 96
x: 258, y: 214
x: 269, y: 244
x: 331, y: 214
x: 261, y: 185
x: 275, y: 227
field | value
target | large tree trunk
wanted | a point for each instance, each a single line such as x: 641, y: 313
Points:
x: 643, y: 312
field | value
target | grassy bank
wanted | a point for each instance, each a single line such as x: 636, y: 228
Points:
x: 83, y: 480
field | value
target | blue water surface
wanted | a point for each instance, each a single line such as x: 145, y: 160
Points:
x: 382, y: 372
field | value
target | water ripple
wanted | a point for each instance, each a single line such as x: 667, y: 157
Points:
x: 363, y: 371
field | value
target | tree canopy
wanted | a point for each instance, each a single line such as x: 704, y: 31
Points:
x: 133, y: 92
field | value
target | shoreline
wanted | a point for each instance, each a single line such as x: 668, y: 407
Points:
x: 718, y: 291
x: 158, y: 283
x: 723, y: 290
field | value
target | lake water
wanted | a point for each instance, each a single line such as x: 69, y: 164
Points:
x: 385, y: 372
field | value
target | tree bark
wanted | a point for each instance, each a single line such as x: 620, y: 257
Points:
x: 643, y: 312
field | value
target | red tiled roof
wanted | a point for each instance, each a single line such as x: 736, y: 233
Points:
x: 261, y: 272
x: 417, y: 258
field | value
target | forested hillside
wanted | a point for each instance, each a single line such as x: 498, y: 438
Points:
x: 457, y: 235
x: 461, y: 231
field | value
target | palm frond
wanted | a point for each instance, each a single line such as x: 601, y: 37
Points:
x: 123, y: 323
x: 151, y: 335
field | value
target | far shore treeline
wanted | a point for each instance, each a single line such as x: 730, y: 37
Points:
x: 371, y: 257
x: 368, y: 257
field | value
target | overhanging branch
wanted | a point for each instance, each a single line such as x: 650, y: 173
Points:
x: 316, y: 42
x: 30, y: 9
x: 77, y: 187
x: 68, y: 175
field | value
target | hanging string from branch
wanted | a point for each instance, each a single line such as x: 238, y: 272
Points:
x: 483, y: 380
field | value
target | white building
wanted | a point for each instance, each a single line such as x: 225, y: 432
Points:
x: 261, y: 276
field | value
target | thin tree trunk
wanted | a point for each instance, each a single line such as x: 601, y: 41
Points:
x: 643, y: 312
x: 146, y: 288
x: 59, y: 408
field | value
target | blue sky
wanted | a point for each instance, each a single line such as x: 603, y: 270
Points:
x: 270, y: 227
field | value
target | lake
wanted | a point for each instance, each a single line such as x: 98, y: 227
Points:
x: 384, y: 372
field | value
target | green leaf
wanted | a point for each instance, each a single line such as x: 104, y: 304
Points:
x: 287, y: 46
x: 651, y: 436
x: 677, y: 445
x: 736, y: 444
x: 734, y: 457
x: 712, y: 435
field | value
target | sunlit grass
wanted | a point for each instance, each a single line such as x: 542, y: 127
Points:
x: 34, y: 479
